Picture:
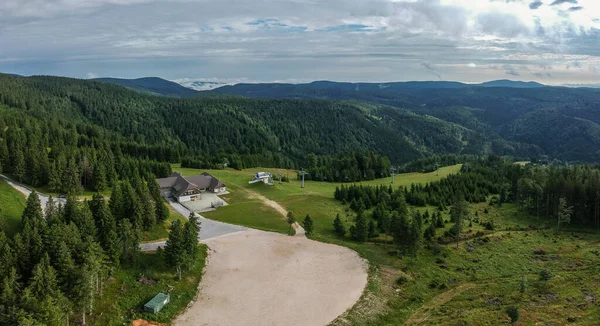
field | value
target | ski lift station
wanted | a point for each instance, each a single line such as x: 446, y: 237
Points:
x: 264, y: 177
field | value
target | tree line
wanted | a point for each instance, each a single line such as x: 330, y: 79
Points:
x: 351, y: 167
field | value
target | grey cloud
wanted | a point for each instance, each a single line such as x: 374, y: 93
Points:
x: 541, y: 74
x: 536, y: 4
x: 577, y: 8
x: 558, y: 2
x: 431, y: 69
x: 504, y: 25
x: 574, y: 64
x: 429, y: 14
x: 510, y: 70
x: 49, y: 8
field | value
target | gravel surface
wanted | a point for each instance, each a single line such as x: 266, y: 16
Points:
x: 263, y: 278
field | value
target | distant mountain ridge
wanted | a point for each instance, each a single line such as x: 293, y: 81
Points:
x: 190, y: 88
x: 152, y: 85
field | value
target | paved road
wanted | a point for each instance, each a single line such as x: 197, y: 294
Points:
x: 209, y: 228
x: 26, y: 191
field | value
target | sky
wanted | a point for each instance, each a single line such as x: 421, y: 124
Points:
x: 555, y: 42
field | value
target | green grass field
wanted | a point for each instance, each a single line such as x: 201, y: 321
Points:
x: 124, y: 295
x: 315, y: 199
x: 12, y: 204
x: 472, y: 285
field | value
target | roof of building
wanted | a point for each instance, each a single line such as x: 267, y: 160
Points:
x: 182, y: 184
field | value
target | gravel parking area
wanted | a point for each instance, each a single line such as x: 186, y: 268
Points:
x: 204, y: 203
x: 263, y: 278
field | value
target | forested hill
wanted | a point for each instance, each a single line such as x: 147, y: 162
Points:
x: 563, y: 122
x: 248, y: 132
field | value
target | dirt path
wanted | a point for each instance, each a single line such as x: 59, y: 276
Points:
x: 423, y: 313
x: 262, y: 278
x: 271, y: 203
x: 267, y: 201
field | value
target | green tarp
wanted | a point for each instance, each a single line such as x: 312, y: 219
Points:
x: 156, y: 304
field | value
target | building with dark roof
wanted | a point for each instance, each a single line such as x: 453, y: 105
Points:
x: 189, y: 188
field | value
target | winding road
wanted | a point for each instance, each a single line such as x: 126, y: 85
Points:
x: 26, y: 191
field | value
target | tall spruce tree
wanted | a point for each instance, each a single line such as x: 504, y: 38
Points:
x: 308, y: 225
x: 459, y: 213
x: 360, y: 230
x: 338, y: 226
x: 175, y: 251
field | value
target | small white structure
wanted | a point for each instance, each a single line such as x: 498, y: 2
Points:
x: 264, y: 177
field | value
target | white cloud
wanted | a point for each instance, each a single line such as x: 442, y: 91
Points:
x: 472, y: 65
x: 91, y: 75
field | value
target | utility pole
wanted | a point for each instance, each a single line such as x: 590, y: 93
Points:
x: 437, y: 170
x: 393, y: 173
x: 280, y: 176
x: 303, y: 173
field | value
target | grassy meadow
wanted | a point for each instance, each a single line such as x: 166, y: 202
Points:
x: 12, y: 204
x: 471, y: 285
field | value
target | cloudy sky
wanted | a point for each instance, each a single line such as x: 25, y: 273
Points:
x: 550, y: 41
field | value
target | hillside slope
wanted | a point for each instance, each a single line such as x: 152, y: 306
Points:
x: 487, y: 109
x: 268, y: 132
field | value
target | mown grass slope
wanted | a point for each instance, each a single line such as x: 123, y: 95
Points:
x: 12, y: 204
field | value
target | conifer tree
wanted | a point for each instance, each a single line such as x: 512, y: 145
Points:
x: 360, y: 230
x: 7, y: 256
x: 338, y: 226
x: 107, y: 228
x: 85, y: 220
x: 129, y: 240
x: 116, y: 202
x: 307, y: 224
x: 33, y: 210
x: 414, y: 241
x: 51, y: 211
x: 18, y: 168
x: 459, y: 212
x: 290, y: 220
x: 175, y: 251
x: 372, y: 231
x: 191, y: 232
x: 148, y: 207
